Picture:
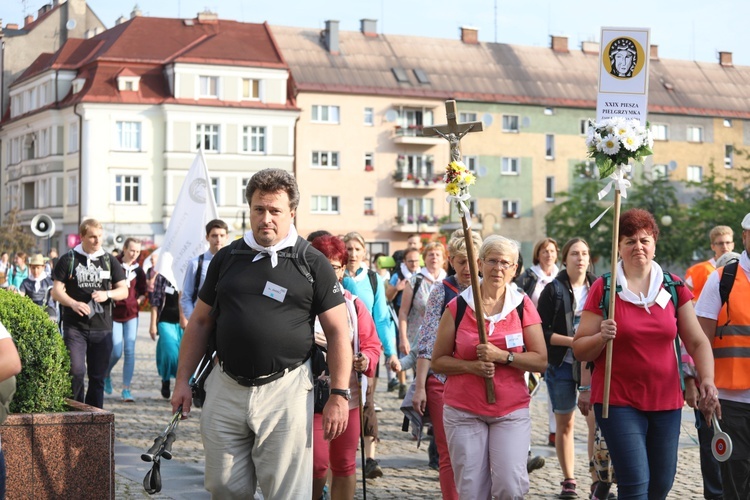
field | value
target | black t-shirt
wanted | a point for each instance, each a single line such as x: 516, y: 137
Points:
x: 88, y: 276
x: 257, y: 334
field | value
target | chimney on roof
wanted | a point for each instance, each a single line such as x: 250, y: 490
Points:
x: 208, y: 17
x: 725, y: 59
x: 44, y: 9
x: 369, y: 27
x: 120, y: 20
x: 559, y: 43
x: 654, y: 52
x: 28, y: 20
x: 331, y: 36
x: 11, y: 26
x: 590, y: 47
x: 136, y: 12
x: 469, y: 35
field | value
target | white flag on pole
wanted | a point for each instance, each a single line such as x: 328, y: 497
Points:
x: 186, y: 234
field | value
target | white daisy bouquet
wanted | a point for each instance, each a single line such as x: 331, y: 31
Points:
x: 616, y: 141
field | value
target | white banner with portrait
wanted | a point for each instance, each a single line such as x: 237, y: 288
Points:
x: 623, y: 74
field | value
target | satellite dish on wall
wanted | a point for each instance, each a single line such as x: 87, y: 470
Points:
x: 391, y: 115
x: 71, y: 24
x: 482, y: 171
x: 487, y: 120
x: 672, y: 165
x: 526, y: 122
x: 402, y: 202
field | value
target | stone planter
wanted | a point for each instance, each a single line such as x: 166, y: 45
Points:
x: 60, y: 455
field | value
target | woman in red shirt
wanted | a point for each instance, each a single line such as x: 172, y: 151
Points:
x: 489, y: 443
x: 643, y: 426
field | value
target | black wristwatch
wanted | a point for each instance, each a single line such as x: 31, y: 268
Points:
x: 344, y: 393
x: 510, y: 358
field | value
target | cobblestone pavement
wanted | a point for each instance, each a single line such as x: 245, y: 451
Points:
x: 406, y: 474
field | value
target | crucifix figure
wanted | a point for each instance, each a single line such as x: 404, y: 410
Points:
x: 453, y: 131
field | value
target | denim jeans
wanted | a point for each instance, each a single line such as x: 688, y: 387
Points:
x: 562, y: 389
x: 123, y: 339
x: 643, y: 449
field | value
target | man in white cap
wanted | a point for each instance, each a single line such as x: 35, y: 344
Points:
x: 725, y: 319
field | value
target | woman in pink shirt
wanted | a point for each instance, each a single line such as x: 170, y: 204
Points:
x: 489, y: 443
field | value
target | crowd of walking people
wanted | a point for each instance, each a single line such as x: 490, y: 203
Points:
x: 300, y: 325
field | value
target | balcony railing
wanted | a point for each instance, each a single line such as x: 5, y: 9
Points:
x: 413, y: 134
x: 425, y: 180
x: 416, y: 224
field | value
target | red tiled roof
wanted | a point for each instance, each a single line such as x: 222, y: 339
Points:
x: 143, y: 45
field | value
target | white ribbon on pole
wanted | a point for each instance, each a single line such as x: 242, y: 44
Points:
x: 619, y: 182
x: 461, y: 200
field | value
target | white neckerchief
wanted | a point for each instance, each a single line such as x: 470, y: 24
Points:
x: 287, y: 242
x: 90, y: 256
x: 405, y: 271
x: 440, y: 277
x: 357, y: 276
x: 657, y: 278
x: 37, y: 281
x: 513, y: 297
x: 545, y: 278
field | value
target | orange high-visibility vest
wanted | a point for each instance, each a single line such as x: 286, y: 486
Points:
x: 731, y: 344
x: 698, y: 274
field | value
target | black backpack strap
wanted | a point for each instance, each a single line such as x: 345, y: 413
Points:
x: 197, y: 279
x: 373, y: 276
x: 671, y: 285
x: 604, y: 303
x: 417, y: 283
x: 461, y: 306
x: 726, y: 283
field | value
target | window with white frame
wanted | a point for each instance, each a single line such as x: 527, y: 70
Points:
x: 694, y: 173
x: 467, y: 117
x: 511, y: 209
x: 250, y: 89
x: 549, y: 146
x: 510, y: 123
x: 510, y: 166
x: 72, y: 189
x: 369, y: 162
x: 694, y: 134
x: 549, y: 111
x: 128, y: 136
x: 415, y: 210
x: 127, y: 188
x: 660, y: 132
x: 583, y: 126
x: 42, y: 193
x: 72, y: 137
x: 728, y: 156
x: 728, y: 122
x: 207, y: 137
x: 27, y: 195
x: 44, y: 140
x: 324, y: 204
x: 243, y: 187
x: 369, y: 205
x: 216, y: 189
x: 208, y: 86
x: 325, y: 159
x: 549, y: 188
x: 471, y: 162
x: 254, y: 139
x: 369, y: 116
x: 659, y: 172
x: 418, y: 167
x: 325, y: 114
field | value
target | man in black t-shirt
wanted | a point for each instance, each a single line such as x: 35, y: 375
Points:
x: 87, y: 281
x: 261, y: 391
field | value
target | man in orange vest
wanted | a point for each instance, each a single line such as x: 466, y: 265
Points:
x: 722, y: 241
x: 727, y: 326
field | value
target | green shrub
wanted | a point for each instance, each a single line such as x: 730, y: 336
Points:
x: 44, y: 381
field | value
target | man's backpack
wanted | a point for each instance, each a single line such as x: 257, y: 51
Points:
x: 197, y: 277
x: 727, y: 282
x: 670, y: 285
x: 298, y: 254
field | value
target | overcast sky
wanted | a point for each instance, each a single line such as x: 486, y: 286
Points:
x: 687, y: 29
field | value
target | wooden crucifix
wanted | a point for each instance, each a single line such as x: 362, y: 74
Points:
x: 453, y: 132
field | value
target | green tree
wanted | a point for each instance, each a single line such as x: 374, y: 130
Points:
x: 721, y: 200
x: 13, y: 238
x: 571, y: 218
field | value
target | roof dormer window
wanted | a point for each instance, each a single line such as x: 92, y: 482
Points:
x: 78, y: 84
x: 127, y: 81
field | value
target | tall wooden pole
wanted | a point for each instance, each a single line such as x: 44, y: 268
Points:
x: 612, y: 296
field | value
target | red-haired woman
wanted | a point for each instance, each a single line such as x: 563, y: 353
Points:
x: 643, y: 426
x: 340, y: 454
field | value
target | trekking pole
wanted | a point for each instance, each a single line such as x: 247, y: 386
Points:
x: 362, y: 431
x: 162, y: 447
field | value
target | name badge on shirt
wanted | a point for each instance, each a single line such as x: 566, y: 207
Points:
x: 663, y: 298
x: 169, y: 290
x: 104, y: 274
x: 274, y: 291
x: 514, y: 340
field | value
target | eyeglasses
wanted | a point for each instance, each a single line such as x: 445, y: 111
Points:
x: 502, y: 264
x: 337, y: 268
